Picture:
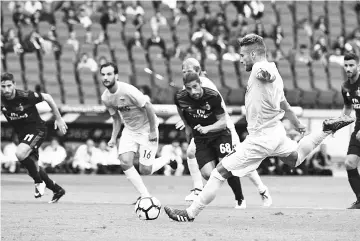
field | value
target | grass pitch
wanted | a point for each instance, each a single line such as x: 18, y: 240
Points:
x: 99, y: 208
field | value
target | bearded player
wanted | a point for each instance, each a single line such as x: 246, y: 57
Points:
x: 265, y: 105
x: 140, y: 134
x: 19, y: 108
x: 351, y: 93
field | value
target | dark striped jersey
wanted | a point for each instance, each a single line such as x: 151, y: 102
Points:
x: 21, y: 111
x: 351, y: 95
x: 202, y: 111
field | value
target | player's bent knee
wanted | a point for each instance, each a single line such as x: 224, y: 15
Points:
x: 145, y: 170
x: 22, y: 153
x: 290, y: 160
x: 223, y: 171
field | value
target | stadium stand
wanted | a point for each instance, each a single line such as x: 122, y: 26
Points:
x: 312, y: 84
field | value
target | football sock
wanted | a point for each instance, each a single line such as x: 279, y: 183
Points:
x: 308, y: 144
x: 235, y: 184
x: 354, y: 180
x: 207, y: 195
x: 49, y: 183
x: 32, y: 169
x: 134, y: 177
x: 158, y: 163
x: 256, y: 180
x: 195, y: 173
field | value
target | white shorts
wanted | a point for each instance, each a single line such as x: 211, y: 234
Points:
x: 139, y: 143
x: 248, y: 155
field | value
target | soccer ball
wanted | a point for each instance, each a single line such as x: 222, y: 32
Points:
x: 148, y: 208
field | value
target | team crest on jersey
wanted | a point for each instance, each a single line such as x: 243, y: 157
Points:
x: 20, y: 108
x: 357, y: 92
x: 206, y: 106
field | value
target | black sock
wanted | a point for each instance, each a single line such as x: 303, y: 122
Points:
x: 30, y: 165
x: 354, y: 180
x: 49, y: 183
x: 234, y: 183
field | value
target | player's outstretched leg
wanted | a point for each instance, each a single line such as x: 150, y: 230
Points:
x: 57, y: 190
x: 235, y: 184
x: 30, y: 163
x: 311, y: 141
x: 205, y: 197
x: 263, y: 190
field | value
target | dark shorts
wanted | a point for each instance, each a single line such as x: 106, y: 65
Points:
x: 34, y: 138
x: 211, y: 149
x: 354, y: 145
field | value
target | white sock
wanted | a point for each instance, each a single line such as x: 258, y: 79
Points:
x: 256, y: 180
x: 195, y: 173
x: 308, y: 144
x: 158, y: 163
x: 137, y: 181
x: 207, y: 195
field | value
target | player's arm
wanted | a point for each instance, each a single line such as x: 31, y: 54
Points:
x: 291, y: 116
x: 116, y: 126
x: 188, y: 130
x: 59, y: 122
x: 150, y: 112
x: 219, y: 112
x: 347, y: 104
x: 263, y: 74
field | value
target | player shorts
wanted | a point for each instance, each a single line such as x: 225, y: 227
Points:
x: 247, y: 156
x: 211, y: 149
x: 34, y: 138
x: 139, y: 143
x: 354, y: 145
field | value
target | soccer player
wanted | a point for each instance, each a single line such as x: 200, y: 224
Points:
x: 19, y: 108
x: 192, y: 65
x: 351, y: 93
x: 203, y: 114
x: 140, y: 134
x: 265, y: 106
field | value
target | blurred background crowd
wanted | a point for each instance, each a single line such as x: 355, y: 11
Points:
x: 58, y: 46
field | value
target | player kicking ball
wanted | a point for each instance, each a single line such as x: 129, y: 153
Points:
x: 19, y: 108
x: 192, y: 65
x: 265, y: 105
x: 351, y: 94
x: 140, y: 134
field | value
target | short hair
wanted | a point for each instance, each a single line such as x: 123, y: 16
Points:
x: 351, y: 56
x: 7, y: 76
x: 191, y: 76
x: 116, y: 70
x: 192, y: 62
x: 256, y: 40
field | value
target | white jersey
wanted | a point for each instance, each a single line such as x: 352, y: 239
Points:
x: 206, y: 82
x: 262, y: 99
x: 130, y: 102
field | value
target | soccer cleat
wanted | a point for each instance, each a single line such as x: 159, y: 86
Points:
x: 266, y: 198
x: 355, y: 205
x: 178, y: 215
x: 241, y: 204
x: 39, y: 189
x: 193, y: 194
x: 334, y: 124
x: 57, y: 195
